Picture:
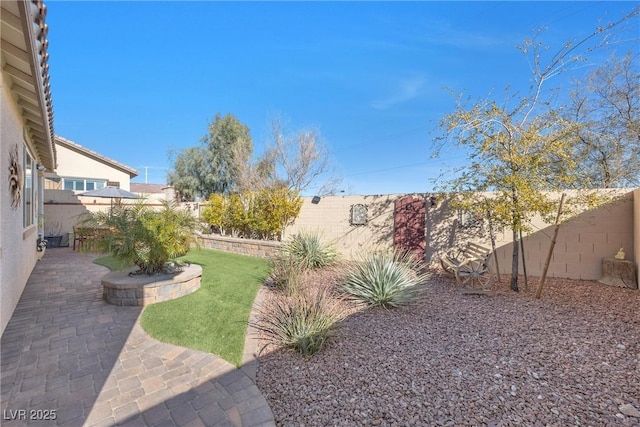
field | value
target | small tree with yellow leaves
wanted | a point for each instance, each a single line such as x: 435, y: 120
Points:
x: 516, y: 147
x: 513, y: 161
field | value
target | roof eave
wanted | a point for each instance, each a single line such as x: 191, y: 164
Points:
x: 95, y: 156
x: 35, y: 31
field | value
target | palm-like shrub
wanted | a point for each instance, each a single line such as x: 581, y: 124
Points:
x: 302, y: 322
x: 140, y: 235
x: 385, y: 279
x: 309, y: 251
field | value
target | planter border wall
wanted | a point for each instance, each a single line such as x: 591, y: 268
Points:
x: 118, y: 288
x: 255, y: 248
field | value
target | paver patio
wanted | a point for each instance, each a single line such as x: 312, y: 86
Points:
x: 68, y: 356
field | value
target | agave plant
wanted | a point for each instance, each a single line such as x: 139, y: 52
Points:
x: 309, y: 251
x: 140, y: 235
x: 385, y: 279
x: 302, y: 322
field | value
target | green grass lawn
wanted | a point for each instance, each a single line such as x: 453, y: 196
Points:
x: 214, y: 318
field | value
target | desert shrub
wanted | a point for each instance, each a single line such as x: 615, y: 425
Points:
x: 385, y: 279
x: 309, y: 251
x: 286, y: 275
x: 302, y: 322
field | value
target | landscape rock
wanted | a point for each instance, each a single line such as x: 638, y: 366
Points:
x: 629, y: 410
x: 454, y: 359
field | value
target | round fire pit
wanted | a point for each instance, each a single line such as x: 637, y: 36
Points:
x: 120, y: 288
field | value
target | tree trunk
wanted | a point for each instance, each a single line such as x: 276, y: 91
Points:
x: 514, y: 261
x: 524, y: 263
x: 493, y: 245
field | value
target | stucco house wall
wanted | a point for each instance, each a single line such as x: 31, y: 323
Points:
x: 25, y: 123
x: 17, y: 244
x: 63, y: 209
x: 77, y: 161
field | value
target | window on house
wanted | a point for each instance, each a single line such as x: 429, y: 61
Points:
x: 83, y: 184
x: 27, y: 190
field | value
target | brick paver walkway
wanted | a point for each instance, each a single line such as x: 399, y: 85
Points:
x: 68, y: 356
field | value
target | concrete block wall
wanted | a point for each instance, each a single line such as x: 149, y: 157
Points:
x: 583, y: 240
x: 582, y: 243
x: 330, y: 216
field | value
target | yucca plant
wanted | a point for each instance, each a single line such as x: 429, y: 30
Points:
x: 302, y: 322
x: 309, y: 251
x: 385, y: 279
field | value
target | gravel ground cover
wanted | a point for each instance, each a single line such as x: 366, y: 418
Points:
x: 571, y: 358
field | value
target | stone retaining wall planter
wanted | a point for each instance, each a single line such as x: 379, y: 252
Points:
x: 118, y: 288
x: 255, y: 248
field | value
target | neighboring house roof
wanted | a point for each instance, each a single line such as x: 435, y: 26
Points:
x: 95, y: 156
x: 25, y: 62
x: 147, y: 188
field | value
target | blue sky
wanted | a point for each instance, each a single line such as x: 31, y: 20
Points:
x: 136, y: 80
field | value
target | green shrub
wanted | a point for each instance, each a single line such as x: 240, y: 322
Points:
x: 302, y: 322
x: 139, y: 235
x: 308, y: 250
x: 260, y: 214
x: 386, y: 279
x: 286, y: 275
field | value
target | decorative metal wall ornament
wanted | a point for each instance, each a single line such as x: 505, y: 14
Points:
x: 15, y: 177
x: 358, y: 215
x: 467, y: 219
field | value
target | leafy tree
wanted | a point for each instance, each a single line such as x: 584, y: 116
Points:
x: 229, y: 146
x: 216, y: 165
x: 516, y: 146
x: 607, y: 105
x: 511, y: 157
x: 192, y: 175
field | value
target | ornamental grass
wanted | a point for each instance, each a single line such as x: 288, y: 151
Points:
x: 302, y: 322
x: 286, y: 275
